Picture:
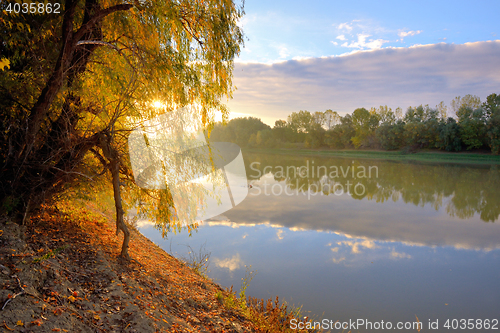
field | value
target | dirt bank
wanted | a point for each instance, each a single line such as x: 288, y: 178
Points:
x: 63, y: 274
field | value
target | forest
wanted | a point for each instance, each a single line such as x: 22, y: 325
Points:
x: 469, y: 125
x: 73, y: 86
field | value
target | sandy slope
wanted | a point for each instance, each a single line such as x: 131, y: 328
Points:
x: 64, y: 275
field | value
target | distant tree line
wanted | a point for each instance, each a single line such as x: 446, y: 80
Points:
x: 473, y: 125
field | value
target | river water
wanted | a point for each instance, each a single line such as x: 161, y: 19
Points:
x: 361, y: 239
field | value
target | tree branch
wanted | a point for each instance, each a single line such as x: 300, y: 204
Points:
x: 96, y: 42
x: 73, y: 172
x: 99, y: 16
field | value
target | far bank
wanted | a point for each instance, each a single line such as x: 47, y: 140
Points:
x: 402, y: 155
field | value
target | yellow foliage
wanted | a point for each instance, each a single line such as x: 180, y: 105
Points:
x: 356, y: 141
x: 4, y: 62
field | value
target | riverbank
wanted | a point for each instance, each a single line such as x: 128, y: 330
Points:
x: 420, y: 156
x: 63, y: 274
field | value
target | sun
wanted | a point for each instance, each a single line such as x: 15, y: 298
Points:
x: 157, y: 104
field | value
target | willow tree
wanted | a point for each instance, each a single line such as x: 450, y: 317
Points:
x: 73, y: 85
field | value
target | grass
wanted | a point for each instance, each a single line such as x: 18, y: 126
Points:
x: 197, y: 261
x: 268, y: 315
x: 50, y: 254
x: 421, y: 156
x: 275, y: 316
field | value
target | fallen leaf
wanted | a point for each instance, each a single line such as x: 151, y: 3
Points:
x: 37, y: 322
x: 7, y: 327
x: 71, y: 299
x: 19, y: 323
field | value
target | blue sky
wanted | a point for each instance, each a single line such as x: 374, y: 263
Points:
x: 282, y: 30
x: 293, y: 49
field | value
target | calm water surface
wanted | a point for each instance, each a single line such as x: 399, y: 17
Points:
x: 361, y: 239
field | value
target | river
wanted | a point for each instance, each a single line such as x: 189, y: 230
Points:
x: 351, y: 239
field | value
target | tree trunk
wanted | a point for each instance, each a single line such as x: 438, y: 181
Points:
x: 41, y: 108
x: 113, y: 157
x: 120, y: 224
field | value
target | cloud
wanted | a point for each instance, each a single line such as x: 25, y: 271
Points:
x: 400, y: 255
x: 283, y: 51
x: 279, y: 234
x: 363, y: 44
x: 345, y: 26
x: 404, y: 34
x: 232, y: 263
x: 141, y: 223
x: 339, y: 260
x: 356, y: 35
x: 356, y: 245
x: 424, y: 74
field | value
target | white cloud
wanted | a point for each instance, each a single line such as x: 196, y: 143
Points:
x: 232, y: 263
x: 279, y: 234
x: 345, y: 26
x: 283, y: 51
x: 356, y: 35
x: 356, y: 245
x: 400, y: 255
x: 144, y: 223
x: 404, y: 34
x: 363, y: 44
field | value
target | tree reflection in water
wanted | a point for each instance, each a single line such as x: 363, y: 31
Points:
x: 471, y: 189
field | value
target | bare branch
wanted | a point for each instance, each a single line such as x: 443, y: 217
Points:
x: 15, y: 295
x: 73, y: 172
x: 96, y: 42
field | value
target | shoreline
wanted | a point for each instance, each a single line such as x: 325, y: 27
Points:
x: 62, y: 272
x: 421, y: 156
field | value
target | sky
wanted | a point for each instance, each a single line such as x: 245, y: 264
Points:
x: 341, y: 55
